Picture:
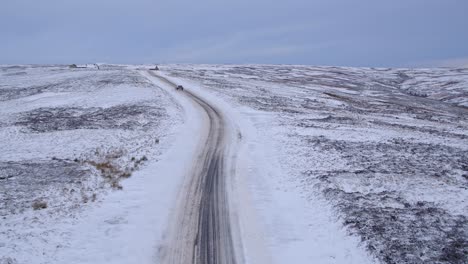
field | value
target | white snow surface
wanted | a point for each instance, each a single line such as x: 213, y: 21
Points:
x: 289, y: 143
x: 129, y: 226
x: 85, y: 220
x: 347, y: 165
x: 278, y: 224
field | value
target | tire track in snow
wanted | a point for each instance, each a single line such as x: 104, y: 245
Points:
x: 201, y: 231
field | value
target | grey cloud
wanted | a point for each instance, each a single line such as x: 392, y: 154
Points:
x: 325, y: 32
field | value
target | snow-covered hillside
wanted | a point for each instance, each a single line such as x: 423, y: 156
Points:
x: 386, y: 148
x: 68, y: 137
x: 334, y: 165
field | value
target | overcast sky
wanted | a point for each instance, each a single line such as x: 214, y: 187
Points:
x: 316, y: 32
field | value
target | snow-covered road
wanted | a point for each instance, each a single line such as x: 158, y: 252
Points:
x: 264, y: 225
x: 201, y: 229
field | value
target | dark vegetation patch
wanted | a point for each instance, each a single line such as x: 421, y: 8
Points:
x: 11, y: 93
x: 267, y: 103
x: 127, y: 117
x: 413, y: 233
x: 8, y: 260
x: 396, y: 156
x: 427, y: 129
x: 92, y: 82
x: 8, y: 93
x: 25, y: 183
x: 13, y: 68
x: 327, y: 121
x: 15, y: 73
x: 394, y: 229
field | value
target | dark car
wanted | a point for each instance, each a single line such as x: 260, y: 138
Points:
x: 180, y: 87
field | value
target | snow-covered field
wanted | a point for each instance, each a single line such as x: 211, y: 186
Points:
x: 68, y: 137
x: 336, y: 165
x: 382, y: 152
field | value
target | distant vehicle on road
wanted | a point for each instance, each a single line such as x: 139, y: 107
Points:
x: 179, y: 87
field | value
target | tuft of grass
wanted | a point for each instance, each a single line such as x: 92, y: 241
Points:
x: 126, y: 175
x: 111, y: 171
x: 111, y: 167
x: 38, y: 205
x: 116, y: 185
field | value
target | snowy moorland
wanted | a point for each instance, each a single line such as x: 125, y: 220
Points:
x: 335, y: 165
x: 68, y: 137
x: 386, y: 149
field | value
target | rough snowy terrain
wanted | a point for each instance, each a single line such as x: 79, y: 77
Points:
x: 67, y: 138
x: 385, y: 149
x: 332, y: 165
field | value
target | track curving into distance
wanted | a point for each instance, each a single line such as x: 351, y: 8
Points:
x: 201, y: 231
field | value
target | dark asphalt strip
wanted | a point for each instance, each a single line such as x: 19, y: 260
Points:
x: 204, y: 215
